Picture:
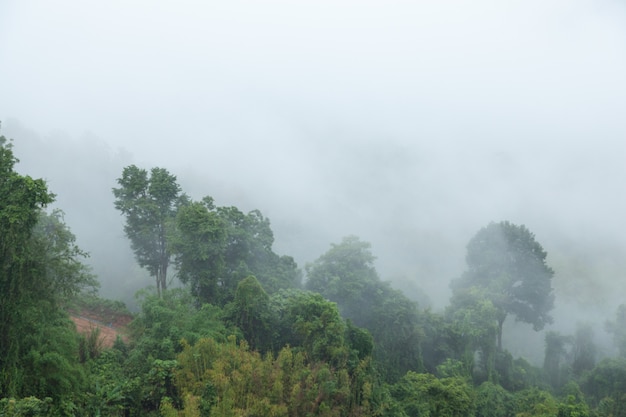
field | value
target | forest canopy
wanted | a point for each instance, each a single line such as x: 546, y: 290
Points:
x: 232, y: 328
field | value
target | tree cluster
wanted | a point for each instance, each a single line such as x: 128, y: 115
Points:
x: 243, y: 335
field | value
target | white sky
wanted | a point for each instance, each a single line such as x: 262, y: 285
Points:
x: 408, y: 123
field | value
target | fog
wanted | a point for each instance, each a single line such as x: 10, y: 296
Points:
x: 408, y: 124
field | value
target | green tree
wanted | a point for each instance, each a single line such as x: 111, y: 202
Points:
x: 472, y: 328
x: 198, y: 245
x: 605, y: 386
x: 425, y: 395
x: 149, y: 203
x: 40, y: 267
x: 250, y: 311
x: 509, y: 265
x: 217, y: 247
x: 346, y: 275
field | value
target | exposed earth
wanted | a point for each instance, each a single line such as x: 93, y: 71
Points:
x: 110, y: 326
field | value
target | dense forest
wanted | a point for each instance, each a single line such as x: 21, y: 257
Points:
x: 229, y: 327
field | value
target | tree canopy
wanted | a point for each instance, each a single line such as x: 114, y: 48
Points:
x: 40, y: 267
x: 149, y: 203
x: 509, y: 266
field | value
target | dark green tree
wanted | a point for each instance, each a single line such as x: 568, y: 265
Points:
x: 40, y: 268
x: 217, y: 247
x: 425, y: 395
x: 198, y: 246
x: 149, y: 203
x: 507, y: 263
x: 250, y: 311
x: 305, y: 319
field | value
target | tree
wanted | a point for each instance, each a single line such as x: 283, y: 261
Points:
x: 251, y: 313
x: 425, y: 395
x: 618, y: 329
x: 472, y: 328
x: 198, y: 246
x: 346, y: 275
x: 583, y: 349
x: 40, y: 267
x: 217, y: 247
x: 149, y: 204
x: 554, y: 354
x: 509, y: 265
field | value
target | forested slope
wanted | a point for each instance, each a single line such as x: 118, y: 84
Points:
x: 250, y: 333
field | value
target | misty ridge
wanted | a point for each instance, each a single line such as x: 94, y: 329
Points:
x: 417, y: 209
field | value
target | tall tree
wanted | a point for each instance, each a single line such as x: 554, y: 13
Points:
x: 346, y: 275
x: 39, y: 267
x: 217, y: 247
x: 507, y: 263
x: 149, y: 203
x: 21, y: 199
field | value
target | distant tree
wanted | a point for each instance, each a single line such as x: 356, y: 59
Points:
x: 618, y: 328
x: 509, y: 266
x: 149, y: 203
x: 346, y: 275
x: 217, y: 247
x: 583, y: 349
x: 555, y: 353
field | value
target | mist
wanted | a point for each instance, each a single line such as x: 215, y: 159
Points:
x: 410, y: 125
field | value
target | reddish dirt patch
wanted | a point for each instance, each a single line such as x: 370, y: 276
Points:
x: 108, y: 335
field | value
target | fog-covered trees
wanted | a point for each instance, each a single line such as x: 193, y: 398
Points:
x: 40, y: 266
x: 507, y: 264
x: 346, y: 274
x: 149, y: 204
x: 217, y: 247
x: 617, y: 327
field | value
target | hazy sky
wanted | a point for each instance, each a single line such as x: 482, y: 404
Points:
x: 408, y: 123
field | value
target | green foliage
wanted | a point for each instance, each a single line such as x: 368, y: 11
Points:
x: 604, y: 386
x: 250, y: 312
x: 217, y: 247
x: 425, y: 395
x: 472, y: 327
x: 26, y: 407
x: 508, y: 266
x: 40, y: 267
x: 305, y: 319
x: 149, y: 204
x: 346, y: 275
x: 165, y: 321
x: 229, y: 379
x: 492, y: 401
